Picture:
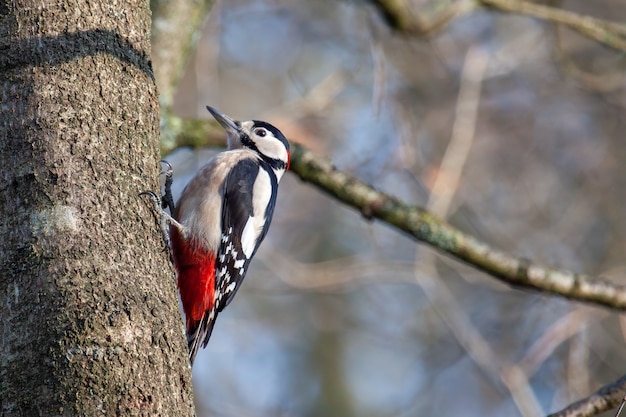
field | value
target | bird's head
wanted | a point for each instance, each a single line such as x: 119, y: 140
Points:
x: 259, y: 136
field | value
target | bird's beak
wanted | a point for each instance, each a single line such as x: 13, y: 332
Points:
x: 228, y: 123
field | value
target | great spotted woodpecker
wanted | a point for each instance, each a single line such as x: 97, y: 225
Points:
x: 221, y: 218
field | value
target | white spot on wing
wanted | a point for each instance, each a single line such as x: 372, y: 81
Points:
x: 261, y: 195
x: 248, y: 237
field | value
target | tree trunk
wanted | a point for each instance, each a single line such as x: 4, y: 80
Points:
x: 89, y: 315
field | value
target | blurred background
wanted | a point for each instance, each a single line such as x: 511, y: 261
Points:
x: 511, y: 128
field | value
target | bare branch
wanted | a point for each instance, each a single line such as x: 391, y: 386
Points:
x: 608, y: 33
x: 192, y: 133
x: 397, y: 14
x: 425, y: 227
x: 604, y: 399
x: 602, y: 83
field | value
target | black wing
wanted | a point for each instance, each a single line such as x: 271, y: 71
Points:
x: 232, y: 263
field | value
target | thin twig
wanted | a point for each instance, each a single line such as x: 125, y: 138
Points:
x: 442, y: 193
x: 397, y: 15
x: 621, y: 406
x: 463, y: 130
x: 400, y: 16
x: 602, y: 83
x: 554, y: 336
x: 608, y: 33
x: 602, y: 400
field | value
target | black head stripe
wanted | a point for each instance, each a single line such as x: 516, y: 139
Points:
x: 277, y: 133
x: 249, y: 143
x: 275, y: 163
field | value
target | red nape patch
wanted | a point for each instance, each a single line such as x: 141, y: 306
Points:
x: 196, y: 278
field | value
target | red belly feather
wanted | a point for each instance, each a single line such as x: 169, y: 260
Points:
x: 196, y: 278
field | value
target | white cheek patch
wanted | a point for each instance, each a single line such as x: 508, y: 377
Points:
x: 272, y: 148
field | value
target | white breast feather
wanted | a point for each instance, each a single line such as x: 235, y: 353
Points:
x: 202, y: 214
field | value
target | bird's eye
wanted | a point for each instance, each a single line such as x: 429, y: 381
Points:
x: 260, y: 132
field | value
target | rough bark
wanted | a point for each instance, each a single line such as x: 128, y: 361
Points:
x: 89, y: 317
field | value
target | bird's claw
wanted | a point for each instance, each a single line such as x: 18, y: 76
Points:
x: 164, y: 218
x: 168, y: 170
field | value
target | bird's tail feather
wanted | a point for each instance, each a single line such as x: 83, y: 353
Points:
x: 201, y: 334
